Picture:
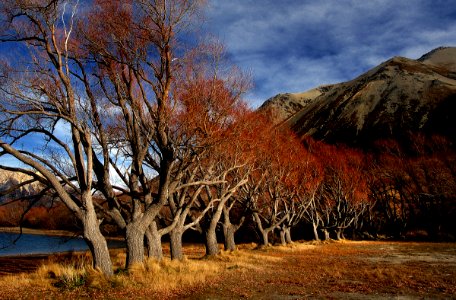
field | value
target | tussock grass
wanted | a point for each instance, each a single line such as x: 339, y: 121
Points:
x: 167, y: 275
x: 64, y: 275
x: 73, y: 274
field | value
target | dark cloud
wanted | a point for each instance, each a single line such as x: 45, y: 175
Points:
x: 291, y: 46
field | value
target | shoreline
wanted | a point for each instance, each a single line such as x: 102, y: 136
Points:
x: 52, y: 232
x: 39, y: 231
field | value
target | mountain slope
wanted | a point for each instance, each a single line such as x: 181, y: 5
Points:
x: 283, y: 106
x: 393, y: 99
x: 9, y: 179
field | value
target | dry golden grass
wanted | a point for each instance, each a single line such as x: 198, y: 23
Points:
x: 167, y: 276
x: 300, y: 270
x: 65, y: 276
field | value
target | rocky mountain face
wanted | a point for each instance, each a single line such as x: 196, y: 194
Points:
x: 9, y: 179
x: 283, y: 106
x: 398, y: 97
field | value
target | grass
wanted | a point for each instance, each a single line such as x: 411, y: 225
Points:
x: 299, y: 270
x: 64, y: 276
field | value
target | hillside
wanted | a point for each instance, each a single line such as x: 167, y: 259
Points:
x: 283, y: 106
x: 398, y: 97
x: 9, y: 179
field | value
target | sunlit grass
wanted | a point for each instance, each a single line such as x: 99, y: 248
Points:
x: 328, y: 267
x: 63, y: 275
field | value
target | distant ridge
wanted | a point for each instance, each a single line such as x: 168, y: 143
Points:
x: 396, y: 98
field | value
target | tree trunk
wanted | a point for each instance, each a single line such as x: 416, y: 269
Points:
x: 134, y: 237
x: 175, y: 243
x: 228, y: 233
x: 97, y: 244
x: 339, y: 234
x: 264, y: 235
x: 264, y: 232
x: 154, y: 245
x: 229, y: 230
x: 282, y: 237
x: 288, y: 235
x: 212, y: 248
x: 326, y: 234
x: 315, y: 232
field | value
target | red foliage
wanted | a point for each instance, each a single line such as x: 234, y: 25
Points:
x: 39, y: 216
x: 415, y: 188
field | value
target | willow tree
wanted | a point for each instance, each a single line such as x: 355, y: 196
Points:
x: 42, y: 123
x: 169, y: 103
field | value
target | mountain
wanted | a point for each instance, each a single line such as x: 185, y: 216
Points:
x: 283, y: 106
x: 9, y: 179
x: 398, y: 97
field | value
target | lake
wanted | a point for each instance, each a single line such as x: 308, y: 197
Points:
x: 43, y: 244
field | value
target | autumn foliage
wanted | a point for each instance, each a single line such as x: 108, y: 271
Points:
x: 19, y: 213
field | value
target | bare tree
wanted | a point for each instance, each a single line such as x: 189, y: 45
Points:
x: 343, y: 196
x: 40, y: 96
x: 170, y: 105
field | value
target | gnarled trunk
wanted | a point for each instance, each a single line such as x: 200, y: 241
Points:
x: 212, y: 248
x: 97, y: 243
x: 229, y: 230
x: 339, y: 234
x: 153, y: 241
x: 211, y: 244
x: 264, y: 232
x: 228, y: 234
x: 134, y: 236
x: 175, y: 243
x: 265, y: 237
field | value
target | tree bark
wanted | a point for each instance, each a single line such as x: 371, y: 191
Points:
x: 264, y: 232
x: 326, y: 234
x: 288, y: 235
x: 228, y: 234
x: 97, y: 244
x: 282, y: 237
x: 265, y: 237
x: 154, y: 245
x: 229, y: 230
x: 315, y: 231
x: 212, y: 248
x: 175, y: 243
x: 134, y: 237
x: 339, y: 234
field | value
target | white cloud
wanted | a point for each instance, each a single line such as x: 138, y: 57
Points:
x: 295, y: 45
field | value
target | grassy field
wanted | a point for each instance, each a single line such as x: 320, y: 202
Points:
x: 348, y: 270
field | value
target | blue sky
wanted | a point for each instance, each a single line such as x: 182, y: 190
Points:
x: 296, y: 45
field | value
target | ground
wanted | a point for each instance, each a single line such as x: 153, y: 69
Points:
x: 350, y: 270
x: 334, y: 270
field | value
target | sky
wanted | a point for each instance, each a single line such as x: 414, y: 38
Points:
x: 295, y: 45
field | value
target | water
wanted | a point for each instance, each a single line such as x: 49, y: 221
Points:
x: 43, y: 244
